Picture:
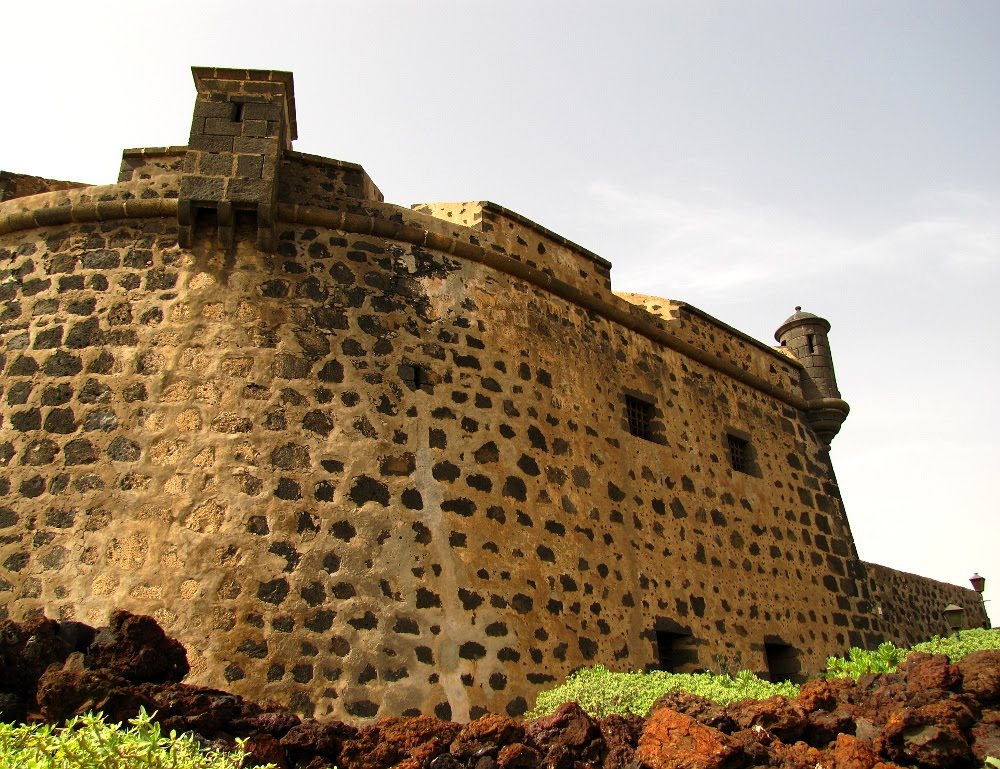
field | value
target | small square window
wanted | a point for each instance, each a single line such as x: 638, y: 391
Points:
x: 640, y: 415
x: 739, y: 453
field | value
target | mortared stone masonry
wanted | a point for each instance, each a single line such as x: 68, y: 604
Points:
x: 370, y: 460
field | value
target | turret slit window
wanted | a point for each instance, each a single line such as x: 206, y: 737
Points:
x: 811, y: 339
x: 237, y: 112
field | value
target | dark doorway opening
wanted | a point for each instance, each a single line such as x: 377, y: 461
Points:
x: 675, y: 652
x: 782, y: 662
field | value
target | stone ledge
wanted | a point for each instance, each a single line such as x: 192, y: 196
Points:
x: 617, y: 310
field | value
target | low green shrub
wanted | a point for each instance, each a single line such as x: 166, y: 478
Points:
x: 859, y: 662
x: 967, y: 642
x: 887, y: 658
x: 601, y: 692
x: 87, y: 742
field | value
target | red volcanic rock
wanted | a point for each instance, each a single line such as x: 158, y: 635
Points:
x: 276, y: 723
x: 699, y: 708
x: 851, y: 753
x: 26, y: 650
x: 566, y: 736
x: 931, y: 715
x: 984, y: 737
x: 672, y: 740
x: 755, y: 745
x: 262, y: 749
x: 70, y: 690
x: 981, y: 675
x: 486, y: 735
x: 817, y: 694
x: 880, y: 702
x: 798, y: 755
x: 426, y: 754
x: 824, y: 726
x: 187, y: 708
x: 952, y: 711
x: 778, y: 715
x: 135, y: 647
x: 517, y: 755
x: 443, y: 761
x: 914, y: 737
x: 621, y: 737
x: 930, y: 671
x: 311, y: 739
x: 393, y: 740
x: 820, y: 694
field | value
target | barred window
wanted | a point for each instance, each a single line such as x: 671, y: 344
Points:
x: 739, y: 453
x: 640, y: 415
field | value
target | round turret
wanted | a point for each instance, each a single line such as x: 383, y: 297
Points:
x: 805, y: 336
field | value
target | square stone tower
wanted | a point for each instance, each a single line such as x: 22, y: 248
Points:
x: 243, y: 121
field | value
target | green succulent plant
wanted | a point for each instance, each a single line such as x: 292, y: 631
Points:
x: 87, y: 742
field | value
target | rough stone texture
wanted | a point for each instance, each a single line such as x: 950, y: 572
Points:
x: 702, y: 710
x: 672, y: 739
x: 621, y: 737
x: 392, y: 740
x: 369, y: 461
x: 930, y: 671
x: 980, y: 673
x: 777, y: 715
x: 21, y: 185
x: 136, y: 648
x: 927, y: 737
x: 909, y: 606
x: 884, y: 720
x: 73, y: 689
x: 568, y: 735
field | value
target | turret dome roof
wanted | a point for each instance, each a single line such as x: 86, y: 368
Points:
x: 797, y: 318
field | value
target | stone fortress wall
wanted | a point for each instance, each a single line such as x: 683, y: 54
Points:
x: 909, y: 606
x: 369, y: 460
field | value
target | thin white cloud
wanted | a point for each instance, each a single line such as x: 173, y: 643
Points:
x: 718, y: 245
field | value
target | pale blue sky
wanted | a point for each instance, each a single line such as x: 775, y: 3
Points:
x: 745, y: 157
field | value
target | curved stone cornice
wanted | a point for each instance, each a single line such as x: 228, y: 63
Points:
x: 405, y: 226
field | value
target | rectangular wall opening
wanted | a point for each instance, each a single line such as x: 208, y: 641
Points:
x: 675, y: 652
x: 640, y: 415
x: 739, y: 453
x: 782, y: 662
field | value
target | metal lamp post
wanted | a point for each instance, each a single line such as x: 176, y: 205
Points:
x: 979, y: 585
x: 953, y: 616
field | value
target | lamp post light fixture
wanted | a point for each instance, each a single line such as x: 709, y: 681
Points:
x: 953, y: 616
x: 979, y: 585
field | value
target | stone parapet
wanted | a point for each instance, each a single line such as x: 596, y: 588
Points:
x: 525, y: 241
x: 909, y: 606
x: 147, y: 162
x: 22, y: 185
